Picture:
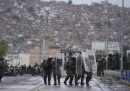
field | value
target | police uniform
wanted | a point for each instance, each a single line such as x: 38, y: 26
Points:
x: 72, y: 64
x: 70, y: 70
x: 79, y: 70
x: 47, y: 67
x: 1, y: 68
x: 56, y: 70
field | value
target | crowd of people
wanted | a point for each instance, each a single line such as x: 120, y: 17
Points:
x: 6, y: 70
x: 74, y: 67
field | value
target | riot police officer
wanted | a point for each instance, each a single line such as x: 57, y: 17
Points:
x: 1, y: 68
x: 70, y: 69
x: 47, y: 70
x: 79, y: 69
x: 89, y: 62
x: 100, y: 67
x: 56, y: 70
x: 44, y: 71
x: 72, y: 64
x: 67, y: 69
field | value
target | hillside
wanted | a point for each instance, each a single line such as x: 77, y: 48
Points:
x: 24, y: 22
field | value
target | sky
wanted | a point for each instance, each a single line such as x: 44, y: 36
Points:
x: 118, y: 2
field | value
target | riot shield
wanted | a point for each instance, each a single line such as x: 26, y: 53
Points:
x: 89, y: 61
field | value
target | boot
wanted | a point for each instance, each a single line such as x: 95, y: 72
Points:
x: 58, y: 80
x: 65, y: 83
x: 55, y: 83
x: 82, y: 83
x: 87, y: 83
x: 70, y: 83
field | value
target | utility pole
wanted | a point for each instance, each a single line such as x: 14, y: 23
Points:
x: 121, y: 36
x: 41, y: 48
x: 106, y: 44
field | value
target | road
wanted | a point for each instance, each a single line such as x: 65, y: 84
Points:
x: 20, y: 83
x: 35, y: 83
x: 94, y: 86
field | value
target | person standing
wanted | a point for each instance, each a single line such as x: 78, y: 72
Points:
x: 102, y: 66
x: 98, y: 67
x: 43, y: 67
x: 56, y: 70
x: 72, y: 64
x: 68, y: 67
x: 89, y: 62
x: 47, y: 70
x: 2, y: 67
x: 79, y: 69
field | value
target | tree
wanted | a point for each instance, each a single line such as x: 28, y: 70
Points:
x: 3, y: 48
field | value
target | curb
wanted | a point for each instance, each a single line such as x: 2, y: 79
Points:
x: 117, y: 75
x: 112, y: 73
x: 100, y: 85
x: 125, y: 82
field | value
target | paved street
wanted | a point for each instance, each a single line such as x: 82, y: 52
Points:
x: 112, y: 83
x: 29, y: 83
x: 94, y: 86
x: 20, y: 83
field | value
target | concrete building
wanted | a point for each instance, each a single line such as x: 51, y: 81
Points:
x: 110, y: 47
x: 18, y: 59
x: 50, y: 48
x: 35, y: 56
x: 12, y: 59
x: 24, y: 58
